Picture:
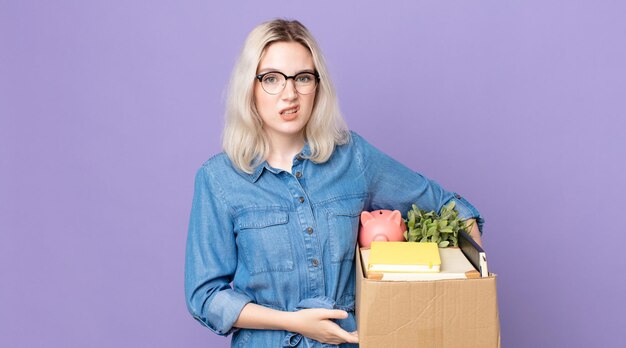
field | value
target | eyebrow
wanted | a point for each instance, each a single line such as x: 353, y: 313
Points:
x: 266, y: 70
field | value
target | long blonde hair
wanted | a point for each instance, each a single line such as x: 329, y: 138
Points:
x: 243, y: 140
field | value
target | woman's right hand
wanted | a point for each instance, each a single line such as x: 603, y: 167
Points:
x: 316, y: 323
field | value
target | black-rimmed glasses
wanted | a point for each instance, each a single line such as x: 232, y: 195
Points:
x: 273, y: 82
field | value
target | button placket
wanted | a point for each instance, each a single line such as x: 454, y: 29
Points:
x: 304, y: 210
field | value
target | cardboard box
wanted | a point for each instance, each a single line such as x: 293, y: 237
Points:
x: 455, y: 313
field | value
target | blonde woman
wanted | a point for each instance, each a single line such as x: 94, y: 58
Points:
x: 274, y: 220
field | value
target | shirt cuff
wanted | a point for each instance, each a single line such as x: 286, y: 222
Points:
x: 468, y: 211
x: 223, y: 311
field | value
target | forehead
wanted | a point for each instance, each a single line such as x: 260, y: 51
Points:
x: 286, y: 57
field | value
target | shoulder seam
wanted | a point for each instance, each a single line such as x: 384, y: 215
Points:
x: 213, y: 158
x: 215, y: 182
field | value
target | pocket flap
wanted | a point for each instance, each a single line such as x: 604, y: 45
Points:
x: 351, y: 205
x: 260, y: 219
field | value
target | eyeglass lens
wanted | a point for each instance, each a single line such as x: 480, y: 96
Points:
x: 274, y: 82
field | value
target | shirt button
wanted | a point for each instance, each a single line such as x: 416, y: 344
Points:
x: 457, y: 196
x: 298, y: 175
x: 309, y: 230
x: 315, y: 262
x: 301, y: 199
x: 299, y: 157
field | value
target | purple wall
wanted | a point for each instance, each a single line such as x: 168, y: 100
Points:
x: 107, y: 108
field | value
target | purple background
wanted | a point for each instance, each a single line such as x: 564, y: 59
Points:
x: 108, y: 107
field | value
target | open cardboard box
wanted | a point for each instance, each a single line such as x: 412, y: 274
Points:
x: 454, y: 313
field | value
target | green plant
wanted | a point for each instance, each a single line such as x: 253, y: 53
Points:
x: 443, y: 229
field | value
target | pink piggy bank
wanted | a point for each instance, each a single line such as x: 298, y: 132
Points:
x: 381, y: 225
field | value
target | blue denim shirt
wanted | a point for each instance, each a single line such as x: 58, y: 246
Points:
x: 286, y: 240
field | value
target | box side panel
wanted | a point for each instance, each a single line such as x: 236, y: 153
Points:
x: 399, y: 316
x: 358, y: 290
x: 470, y: 311
x: 447, y: 313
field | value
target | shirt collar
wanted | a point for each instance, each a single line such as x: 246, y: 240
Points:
x: 305, y: 153
x: 259, y: 170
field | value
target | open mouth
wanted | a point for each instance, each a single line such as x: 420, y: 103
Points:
x: 290, y: 114
x: 289, y: 111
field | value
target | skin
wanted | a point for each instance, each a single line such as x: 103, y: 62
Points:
x: 474, y: 232
x: 285, y: 132
x: 286, y: 136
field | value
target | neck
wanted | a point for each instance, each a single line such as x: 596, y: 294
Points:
x: 283, y: 150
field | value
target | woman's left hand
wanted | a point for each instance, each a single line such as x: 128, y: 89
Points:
x: 317, y: 324
x: 474, y: 231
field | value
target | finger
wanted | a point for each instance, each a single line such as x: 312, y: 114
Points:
x: 349, y: 337
x: 336, y: 314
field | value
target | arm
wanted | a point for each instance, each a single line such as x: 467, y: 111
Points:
x: 313, y: 323
x: 392, y: 185
x: 211, y: 259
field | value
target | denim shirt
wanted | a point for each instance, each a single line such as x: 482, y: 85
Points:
x: 286, y: 240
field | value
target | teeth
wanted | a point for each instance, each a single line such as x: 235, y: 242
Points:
x: 290, y: 111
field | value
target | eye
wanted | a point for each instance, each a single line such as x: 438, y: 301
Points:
x: 271, y: 79
x: 304, y: 78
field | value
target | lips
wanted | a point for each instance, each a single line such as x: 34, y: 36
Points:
x: 290, y: 113
x: 290, y: 110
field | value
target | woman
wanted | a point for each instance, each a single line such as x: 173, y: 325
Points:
x: 277, y: 212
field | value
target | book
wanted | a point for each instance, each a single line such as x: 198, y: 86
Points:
x: 404, y: 257
x: 474, y: 253
x: 454, y: 265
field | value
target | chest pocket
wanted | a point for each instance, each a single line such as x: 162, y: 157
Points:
x: 343, y: 226
x: 264, y: 241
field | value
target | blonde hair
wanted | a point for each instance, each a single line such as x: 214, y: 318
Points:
x: 243, y: 140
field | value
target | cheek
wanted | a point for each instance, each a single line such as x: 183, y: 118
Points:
x: 261, y: 101
x: 310, y: 102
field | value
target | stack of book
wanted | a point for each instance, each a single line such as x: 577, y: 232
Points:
x: 409, y: 261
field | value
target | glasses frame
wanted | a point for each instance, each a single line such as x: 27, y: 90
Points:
x: 314, y: 73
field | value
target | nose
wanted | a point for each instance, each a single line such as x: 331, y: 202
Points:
x: 289, y: 92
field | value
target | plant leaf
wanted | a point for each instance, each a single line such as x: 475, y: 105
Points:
x: 454, y: 240
x: 432, y: 230
x: 411, y: 222
x: 436, y: 236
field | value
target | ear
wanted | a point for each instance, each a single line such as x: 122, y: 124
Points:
x: 395, y: 217
x: 366, y: 216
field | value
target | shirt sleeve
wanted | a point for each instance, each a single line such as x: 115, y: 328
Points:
x: 392, y: 185
x: 211, y: 259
